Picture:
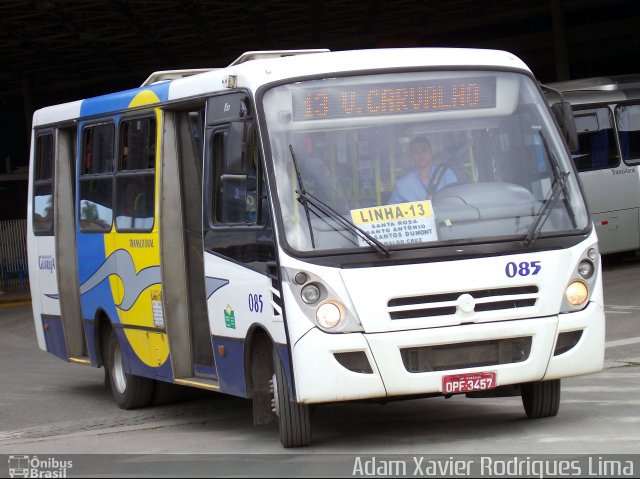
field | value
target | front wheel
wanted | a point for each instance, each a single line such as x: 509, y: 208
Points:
x: 129, y: 392
x: 541, y: 398
x: 294, y: 420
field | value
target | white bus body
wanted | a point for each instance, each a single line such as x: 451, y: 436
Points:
x: 235, y: 230
x: 607, y: 113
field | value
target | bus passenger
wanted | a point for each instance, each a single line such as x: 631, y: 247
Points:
x: 425, y: 179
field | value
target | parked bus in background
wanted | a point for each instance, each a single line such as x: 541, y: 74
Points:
x: 607, y: 115
x: 308, y: 227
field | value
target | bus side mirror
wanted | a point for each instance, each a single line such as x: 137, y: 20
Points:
x: 564, y: 115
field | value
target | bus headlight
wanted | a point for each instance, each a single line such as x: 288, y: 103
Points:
x: 310, y: 293
x: 583, y: 282
x: 586, y: 269
x: 329, y: 314
x: 576, y: 293
x: 328, y: 309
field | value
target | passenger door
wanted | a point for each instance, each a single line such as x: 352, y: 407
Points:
x: 239, y: 248
x: 43, y: 213
x: 136, y: 242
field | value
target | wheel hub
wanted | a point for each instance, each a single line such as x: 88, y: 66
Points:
x: 275, y: 403
x: 119, y: 378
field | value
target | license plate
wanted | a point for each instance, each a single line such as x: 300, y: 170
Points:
x: 462, y: 383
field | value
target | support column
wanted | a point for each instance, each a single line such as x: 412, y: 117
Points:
x: 560, y: 41
x: 27, y: 101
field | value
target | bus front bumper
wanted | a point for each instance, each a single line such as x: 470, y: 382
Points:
x: 320, y: 377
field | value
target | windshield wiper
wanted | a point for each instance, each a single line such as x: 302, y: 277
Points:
x: 560, y: 174
x: 324, y: 208
x: 548, y: 203
x: 545, y: 210
x: 306, y: 199
x: 303, y: 196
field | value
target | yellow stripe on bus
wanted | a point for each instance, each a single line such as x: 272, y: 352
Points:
x: 86, y: 362
x: 197, y: 384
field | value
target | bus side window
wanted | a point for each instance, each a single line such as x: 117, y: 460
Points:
x: 98, y: 147
x: 238, y: 219
x: 96, y: 178
x: 137, y: 144
x: 135, y: 176
x: 236, y: 179
x: 597, y: 146
x: 628, y: 118
x: 43, y: 185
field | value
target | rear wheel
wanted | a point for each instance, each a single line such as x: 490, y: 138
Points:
x: 294, y: 420
x: 541, y: 398
x: 129, y: 392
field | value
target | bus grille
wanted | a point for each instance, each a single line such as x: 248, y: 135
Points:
x: 476, y: 354
x: 443, y: 304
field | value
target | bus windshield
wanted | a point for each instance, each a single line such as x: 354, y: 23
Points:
x: 418, y: 159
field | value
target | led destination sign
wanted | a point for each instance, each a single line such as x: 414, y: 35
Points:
x: 394, y: 98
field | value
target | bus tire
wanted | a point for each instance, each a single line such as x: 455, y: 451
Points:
x: 261, y: 378
x: 541, y: 398
x: 294, y: 420
x: 128, y: 391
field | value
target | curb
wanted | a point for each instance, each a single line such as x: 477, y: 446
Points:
x: 14, y: 299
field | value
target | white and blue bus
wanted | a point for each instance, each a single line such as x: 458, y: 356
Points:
x: 266, y: 230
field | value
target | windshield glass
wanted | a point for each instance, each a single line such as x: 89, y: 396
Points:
x: 417, y: 160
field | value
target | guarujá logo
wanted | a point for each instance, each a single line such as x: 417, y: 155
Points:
x: 47, y: 263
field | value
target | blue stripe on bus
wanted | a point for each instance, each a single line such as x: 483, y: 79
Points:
x: 91, y: 255
x: 54, y: 336
x: 120, y: 100
x: 90, y: 337
x: 231, y: 374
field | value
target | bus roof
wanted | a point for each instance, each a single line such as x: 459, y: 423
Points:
x: 254, y: 69
x: 255, y: 73
x: 593, y: 90
x: 616, y: 82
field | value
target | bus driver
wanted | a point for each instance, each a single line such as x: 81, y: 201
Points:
x: 425, y: 179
